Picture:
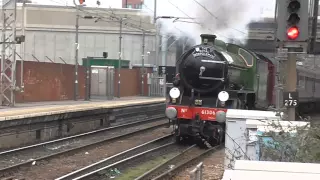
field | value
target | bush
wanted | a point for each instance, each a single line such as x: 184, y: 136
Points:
x: 292, y: 144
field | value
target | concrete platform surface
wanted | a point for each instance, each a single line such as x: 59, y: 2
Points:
x: 27, y: 110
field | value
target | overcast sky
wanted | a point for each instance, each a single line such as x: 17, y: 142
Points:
x: 91, y: 3
x: 266, y: 6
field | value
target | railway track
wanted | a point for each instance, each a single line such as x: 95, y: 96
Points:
x: 122, y: 161
x: 177, y: 163
x: 136, y: 156
x: 26, y: 156
x: 114, y: 160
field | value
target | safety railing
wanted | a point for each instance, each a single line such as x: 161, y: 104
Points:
x: 196, y: 173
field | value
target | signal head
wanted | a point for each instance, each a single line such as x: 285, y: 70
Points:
x: 293, y: 20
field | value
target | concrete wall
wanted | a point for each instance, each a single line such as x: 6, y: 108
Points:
x: 45, y: 45
x: 50, y: 33
x: 170, y: 57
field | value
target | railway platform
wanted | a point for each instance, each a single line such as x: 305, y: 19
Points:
x: 29, y: 123
x: 36, y: 109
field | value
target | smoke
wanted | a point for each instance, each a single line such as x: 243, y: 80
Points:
x: 228, y: 19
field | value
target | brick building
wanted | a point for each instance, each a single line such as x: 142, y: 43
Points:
x: 133, y: 4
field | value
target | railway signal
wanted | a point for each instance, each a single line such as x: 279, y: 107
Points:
x: 293, y: 34
x: 292, y: 20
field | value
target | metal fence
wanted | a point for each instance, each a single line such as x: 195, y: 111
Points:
x: 196, y: 173
x: 156, y: 85
x: 102, y: 81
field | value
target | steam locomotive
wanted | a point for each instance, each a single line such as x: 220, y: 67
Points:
x: 212, y: 77
x: 215, y: 76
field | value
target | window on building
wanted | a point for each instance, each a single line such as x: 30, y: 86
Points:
x: 129, y: 6
x: 138, y: 6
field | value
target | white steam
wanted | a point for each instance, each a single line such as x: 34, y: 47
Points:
x: 225, y: 18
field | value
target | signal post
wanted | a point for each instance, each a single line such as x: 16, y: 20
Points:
x: 292, y: 34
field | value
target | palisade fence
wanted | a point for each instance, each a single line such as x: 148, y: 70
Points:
x: 46, y: 59
x: 156, y: 85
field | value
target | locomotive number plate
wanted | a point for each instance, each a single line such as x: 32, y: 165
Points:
x: 208, y: 112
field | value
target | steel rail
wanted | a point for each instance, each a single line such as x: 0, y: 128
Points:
x: 119, y: 156
x: 131, y: 158
x: 79, y: 135
x: 169, y: 174
x: 164, y: 165
x: 76, y: 149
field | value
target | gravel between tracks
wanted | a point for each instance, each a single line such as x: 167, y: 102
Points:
x: 46, y: 170
x: 213, y: 168
x: 45, y: 150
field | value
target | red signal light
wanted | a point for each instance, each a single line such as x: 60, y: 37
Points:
x: 293, y: 33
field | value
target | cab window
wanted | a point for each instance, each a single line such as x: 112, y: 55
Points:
x: 246, y: 56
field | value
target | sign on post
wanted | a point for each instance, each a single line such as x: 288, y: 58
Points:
x: 290, y: 99
x: 161, y: 81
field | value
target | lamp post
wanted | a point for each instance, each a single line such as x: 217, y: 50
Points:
x: 76, y: 53
x: 143, y: 71
x: 76, y: 87
x: 120, y: 55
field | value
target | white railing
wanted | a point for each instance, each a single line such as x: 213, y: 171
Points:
x: 196, y: 173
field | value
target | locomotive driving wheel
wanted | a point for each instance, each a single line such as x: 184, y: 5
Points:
x: 244, y: 106
x: 178, y: 139
x: 235, y: 104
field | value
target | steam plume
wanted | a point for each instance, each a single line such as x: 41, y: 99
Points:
x: 225, y: 18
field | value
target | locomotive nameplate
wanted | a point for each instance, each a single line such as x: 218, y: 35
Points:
x: 198, y: 102
x: 203, y: 52
x: 290, y: 99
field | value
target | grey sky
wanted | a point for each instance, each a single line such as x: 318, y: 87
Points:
x: 266, y: 6
x: 91, y: 3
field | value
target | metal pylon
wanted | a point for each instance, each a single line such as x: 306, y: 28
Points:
x: 8, y: 51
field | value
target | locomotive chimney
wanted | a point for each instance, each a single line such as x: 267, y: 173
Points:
x: 207, y: 39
